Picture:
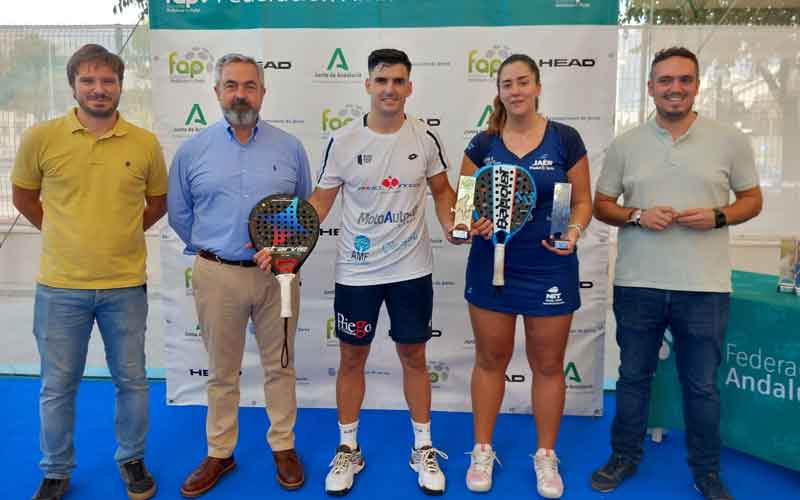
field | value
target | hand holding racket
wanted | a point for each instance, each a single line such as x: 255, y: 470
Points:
x: 504, y: 195
x: 288, y: 228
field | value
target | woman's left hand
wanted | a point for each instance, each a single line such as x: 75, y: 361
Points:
x: 571, y: 239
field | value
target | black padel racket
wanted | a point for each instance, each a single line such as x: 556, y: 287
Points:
x: 505, y: 195
x: 288, y: 227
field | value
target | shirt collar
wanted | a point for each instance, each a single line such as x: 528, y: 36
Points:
x: 120, y: 128
x: 661, y: 132
x: 232, y: 135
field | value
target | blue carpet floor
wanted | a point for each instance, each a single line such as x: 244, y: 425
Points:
x: 176, y: 444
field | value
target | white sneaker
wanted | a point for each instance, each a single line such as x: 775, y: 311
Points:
x: 548, y: 480
x: 481, y: 465
x: 429, y: 476
x: 344, y: 466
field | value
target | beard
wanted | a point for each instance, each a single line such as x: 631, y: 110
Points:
x: 673, y: 115
x: 83, y: 103
x: 240, y: 114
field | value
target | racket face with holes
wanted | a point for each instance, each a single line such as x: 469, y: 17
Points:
x: 505, y: 195
x: 288, y: 227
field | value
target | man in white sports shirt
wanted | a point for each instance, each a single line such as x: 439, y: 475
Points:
x: 383, y: 165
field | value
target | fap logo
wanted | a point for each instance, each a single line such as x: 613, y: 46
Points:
x: 482, y: 67
x: 195, y: 65
x: 438, y: 372
x: 333, y: 121
x: 187, y: 281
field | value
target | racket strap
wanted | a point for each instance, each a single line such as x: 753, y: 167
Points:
x: 285, y: 348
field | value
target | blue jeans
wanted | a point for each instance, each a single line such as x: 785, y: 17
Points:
x: 697, y: 321
x: 62, y: 324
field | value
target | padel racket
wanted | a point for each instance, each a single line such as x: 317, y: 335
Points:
x: 288, y: 227
x: 505, y: 195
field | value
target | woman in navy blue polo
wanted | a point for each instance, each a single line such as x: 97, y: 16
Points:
x: 541, y: 281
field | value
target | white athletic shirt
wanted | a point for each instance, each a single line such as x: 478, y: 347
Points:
x: 384, y: 189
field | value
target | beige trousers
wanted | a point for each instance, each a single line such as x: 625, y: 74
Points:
x: 226, y: 297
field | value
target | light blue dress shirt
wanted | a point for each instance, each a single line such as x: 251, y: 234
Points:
x: 214, y: 182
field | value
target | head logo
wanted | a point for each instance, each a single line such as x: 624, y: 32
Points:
x: 338, y: 61
x: 486, y: 67
x: 196, y: 116
x: 348, y: 113
x: 195, y: 65
x: 390, y: 183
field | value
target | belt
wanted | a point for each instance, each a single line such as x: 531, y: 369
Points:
x: 216, y: 258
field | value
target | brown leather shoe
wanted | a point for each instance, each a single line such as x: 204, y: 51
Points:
x: 290, y: 469
x: 206, y: 475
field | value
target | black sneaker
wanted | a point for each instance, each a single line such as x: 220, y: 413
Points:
x: 51, y: 489
x: 711, y: 487
x: 609, y: 476
x: 139, y: 482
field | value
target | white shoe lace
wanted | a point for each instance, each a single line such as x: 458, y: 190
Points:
x: 483, y: 460
x: 341, y: 462
x: 546, y: 466
x: 427, y: 458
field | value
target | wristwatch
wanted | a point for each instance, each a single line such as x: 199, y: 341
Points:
x: 720, y: 220
x: 635, y: 218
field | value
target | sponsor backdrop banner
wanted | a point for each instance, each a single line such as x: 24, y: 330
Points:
x: 314, y: 54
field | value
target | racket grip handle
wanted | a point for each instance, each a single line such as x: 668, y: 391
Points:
x: 499, y: 264
x: 285, y: 281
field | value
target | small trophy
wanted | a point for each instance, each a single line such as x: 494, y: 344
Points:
x: 789, y: 266
x: 559, y: 217
x: 465, y: 204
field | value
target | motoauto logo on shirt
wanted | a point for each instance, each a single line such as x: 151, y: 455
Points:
x: 553, y: 297
x: 399, y: 217
x: 358, y: 328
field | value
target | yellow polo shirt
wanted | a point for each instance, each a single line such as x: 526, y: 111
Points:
x: 93, y: 195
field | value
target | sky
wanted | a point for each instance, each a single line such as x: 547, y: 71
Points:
x: 64, y: 12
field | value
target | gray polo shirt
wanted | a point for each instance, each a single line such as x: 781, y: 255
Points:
x: 697, y: 170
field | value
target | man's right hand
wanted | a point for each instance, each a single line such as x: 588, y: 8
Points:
x: 262, y: 258
x: 658, y: 218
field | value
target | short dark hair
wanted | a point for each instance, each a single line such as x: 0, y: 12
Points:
x: 92, y: 52
x: 674, y: 52
x: 389, y: 57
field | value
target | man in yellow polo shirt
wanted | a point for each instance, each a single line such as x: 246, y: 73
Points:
x: 93, y: 183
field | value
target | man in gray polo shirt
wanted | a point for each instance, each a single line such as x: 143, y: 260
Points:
x: 675, y: 173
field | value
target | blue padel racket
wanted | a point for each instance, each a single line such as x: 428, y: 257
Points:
x: 288, y: 227
x: 505, y: 195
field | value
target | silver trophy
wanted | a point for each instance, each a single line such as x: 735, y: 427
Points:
x: 559, y: 217
x: 465, y: 204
